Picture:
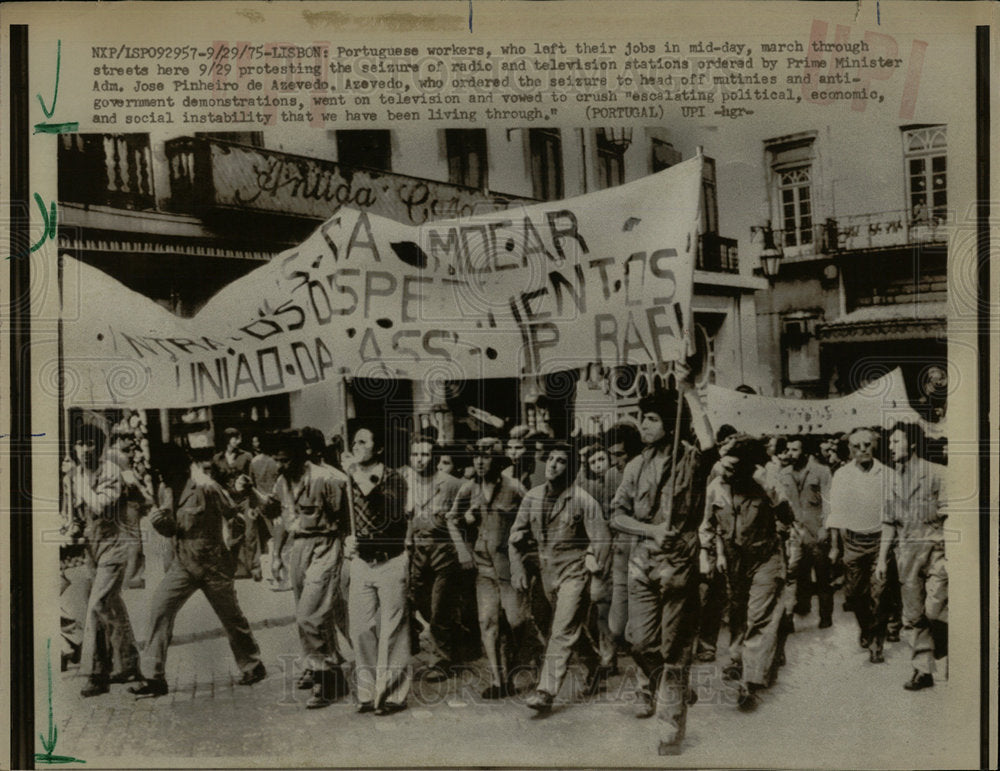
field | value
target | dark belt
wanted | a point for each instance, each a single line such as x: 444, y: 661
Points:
x: 378, y: 556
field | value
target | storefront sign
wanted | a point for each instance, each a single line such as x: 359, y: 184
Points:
x: 267, y: 181
x: 605, y: 278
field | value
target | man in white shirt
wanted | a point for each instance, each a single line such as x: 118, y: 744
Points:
x: 857, y: 498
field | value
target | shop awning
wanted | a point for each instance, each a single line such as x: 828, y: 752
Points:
x: 901, y: 321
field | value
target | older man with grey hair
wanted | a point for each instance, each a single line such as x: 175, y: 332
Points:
x: 857, y: 500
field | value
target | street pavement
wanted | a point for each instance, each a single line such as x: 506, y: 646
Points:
x: 829, y: 708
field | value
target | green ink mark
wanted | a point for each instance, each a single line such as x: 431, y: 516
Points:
x: 56, y: 128
x: 50, y: 743
x: 50, y: 222
x: 55, y: 93
x: 50, y: 226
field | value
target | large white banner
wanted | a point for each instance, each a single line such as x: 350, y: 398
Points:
x: 605, y: 277
x: 880, y: 403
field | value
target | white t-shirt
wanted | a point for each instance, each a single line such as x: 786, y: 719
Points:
x: 857, y: 497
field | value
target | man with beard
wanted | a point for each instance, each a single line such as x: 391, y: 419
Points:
x: 857, y: 499
x: 434, y: 563
x: 490, y: 501
x: 313, y: 504
x: 661, y: 503
x: 574, y: 544
x: 805, y: 483
x: 914, y: 516
x: 742, y: 529
x: 201, y: 561
x: 106, y: 505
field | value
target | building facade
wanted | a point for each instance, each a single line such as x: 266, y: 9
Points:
x: 862, y: 285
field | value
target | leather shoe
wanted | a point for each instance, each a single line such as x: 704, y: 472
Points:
x: 825, y: 623
x: 732, y: 672
x: 919, y: 681
x: 328, y: 686
x: 875, y: 656
x: 494, y: 692
x: 306, y: 681
x: 389, y: 708
x: 365, y: 707
x: 645, y: 706
x: 255, y: 675
x: 669, y: 748
x: 892, y: 637
x: 864, y: 641
x: 540, y: 701
x: 95, y: 687
x: 153, y: 688
x: 748, y: 698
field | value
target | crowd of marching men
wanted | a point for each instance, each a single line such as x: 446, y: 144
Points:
x: 523, y: 549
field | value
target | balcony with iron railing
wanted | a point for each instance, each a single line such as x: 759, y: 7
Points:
x: 106, y: 170
x: 867, y: 232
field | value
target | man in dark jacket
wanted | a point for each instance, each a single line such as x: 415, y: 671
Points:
x: 201, y: 561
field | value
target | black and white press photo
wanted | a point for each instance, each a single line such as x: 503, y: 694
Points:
x: 452, y: 385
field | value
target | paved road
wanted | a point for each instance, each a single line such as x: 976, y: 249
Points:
x: 829, y: 708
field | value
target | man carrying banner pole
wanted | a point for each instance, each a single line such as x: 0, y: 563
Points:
x: 660, y: 500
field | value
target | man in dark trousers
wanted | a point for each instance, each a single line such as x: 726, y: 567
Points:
x: 663, y: 570
x: 857, y: 500
x: 741, y: 530
x: 201, y: 561
x: 805, y: 483
x: 490, y: 502
x: 434, y: 566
